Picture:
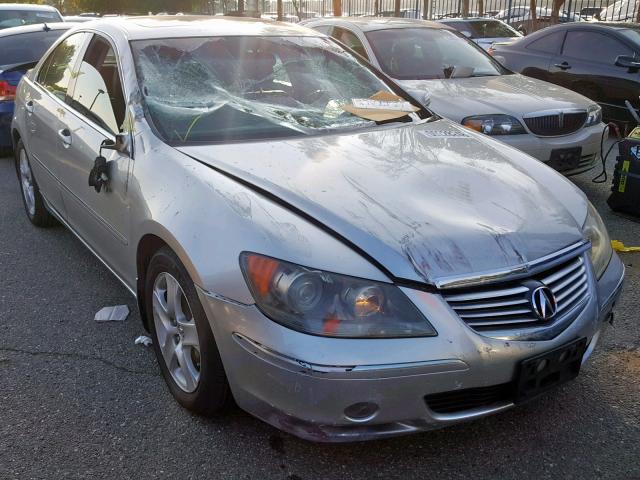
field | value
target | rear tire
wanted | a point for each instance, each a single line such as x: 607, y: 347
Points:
x: 32, y: 200
x: 182, y: 338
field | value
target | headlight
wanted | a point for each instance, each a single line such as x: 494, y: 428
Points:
x: 595, y: 230
x: 328, y: 304
x: 494, y: 124
x: 594, y: 115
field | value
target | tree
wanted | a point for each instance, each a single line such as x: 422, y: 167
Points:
x: 279, y: 9
x: 296, y: 7
x: 396, y: 8
x: 465, y: 8
x: 337, y: 8
x: 555, y: 11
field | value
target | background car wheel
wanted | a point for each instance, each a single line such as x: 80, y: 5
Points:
x: 182, y: 338
x: 31, y: 197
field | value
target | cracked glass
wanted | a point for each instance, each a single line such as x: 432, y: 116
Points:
x: 217, y: 89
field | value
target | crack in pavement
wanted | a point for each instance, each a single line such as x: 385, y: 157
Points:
x: 76, y: 355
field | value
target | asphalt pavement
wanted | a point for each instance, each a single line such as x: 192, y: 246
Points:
x: 79, y: 400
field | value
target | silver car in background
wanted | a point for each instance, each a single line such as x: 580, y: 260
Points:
x: 342, y: 278
x: 458, y: 81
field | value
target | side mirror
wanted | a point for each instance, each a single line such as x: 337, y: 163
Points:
x: 627, y: 61
x: 99, y: 174
x: 121, y: 144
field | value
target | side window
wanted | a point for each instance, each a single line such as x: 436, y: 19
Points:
x: 56, y: 72
x: 350, y: 40
x: 594, y: 47
x: 547, y: 44
x: 97, y: 93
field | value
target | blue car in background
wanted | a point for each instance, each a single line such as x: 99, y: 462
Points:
x: 21, y: 48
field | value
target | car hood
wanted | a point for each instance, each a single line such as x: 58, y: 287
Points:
x: 427, y: 203
x: 514, y: 95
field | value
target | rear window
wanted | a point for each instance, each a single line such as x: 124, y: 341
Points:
x: 17, y: 18
x: 27, y: 47
x: 488, y: 29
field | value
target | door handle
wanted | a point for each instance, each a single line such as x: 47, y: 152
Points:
x: 29, y: 106
x: 562, y: 66
x: 65, y: 136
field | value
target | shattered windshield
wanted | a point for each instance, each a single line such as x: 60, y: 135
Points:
x: 428, y: 53
x: 219, y: 89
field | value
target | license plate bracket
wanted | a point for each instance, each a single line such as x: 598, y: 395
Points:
x: 565, y: 158
x: 548, y: 370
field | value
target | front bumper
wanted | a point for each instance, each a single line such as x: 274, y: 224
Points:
x: 303, y: 384
x: 541, y: 147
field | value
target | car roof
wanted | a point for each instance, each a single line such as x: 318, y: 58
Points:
x: 36, y: 27
x: 598, y: 25
x: 27, y: 6
x: 151, y: 27
x: 369, y: 24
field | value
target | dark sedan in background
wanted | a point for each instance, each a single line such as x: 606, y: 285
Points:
x: 21, y: 49
x: 599, y: 60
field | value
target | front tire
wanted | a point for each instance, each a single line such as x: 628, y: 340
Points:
x: 182, y: 338
x: 31, y: 197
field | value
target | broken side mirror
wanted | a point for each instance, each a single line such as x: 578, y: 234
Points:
x: 99, y: 174
x: 629, y: 62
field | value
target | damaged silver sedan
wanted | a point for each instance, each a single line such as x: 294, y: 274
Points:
x: 302, y: 236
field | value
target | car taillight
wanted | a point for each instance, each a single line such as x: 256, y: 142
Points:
x: 7, y: 92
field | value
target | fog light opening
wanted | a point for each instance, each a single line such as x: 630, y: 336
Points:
x: 361, y: 411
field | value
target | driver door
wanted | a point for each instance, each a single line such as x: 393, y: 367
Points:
x: 97, y: 111
x: 587, y: 65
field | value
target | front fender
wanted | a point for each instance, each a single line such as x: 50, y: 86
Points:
x: 208, y: 219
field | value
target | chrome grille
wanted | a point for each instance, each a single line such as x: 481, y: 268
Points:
x: 556, y: 124
x: 507, y: 307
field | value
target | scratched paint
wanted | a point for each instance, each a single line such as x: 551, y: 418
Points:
x: 426, y: 207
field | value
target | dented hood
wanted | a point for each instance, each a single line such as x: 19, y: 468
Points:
x: 428, y: 202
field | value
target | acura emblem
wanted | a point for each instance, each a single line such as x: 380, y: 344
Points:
x: 544, y: 303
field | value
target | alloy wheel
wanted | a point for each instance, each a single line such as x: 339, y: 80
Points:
x: 26, y: 179
x: 176, y: 332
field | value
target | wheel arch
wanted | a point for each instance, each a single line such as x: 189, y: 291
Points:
x: 15, y: 137
x: 147, y: 246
